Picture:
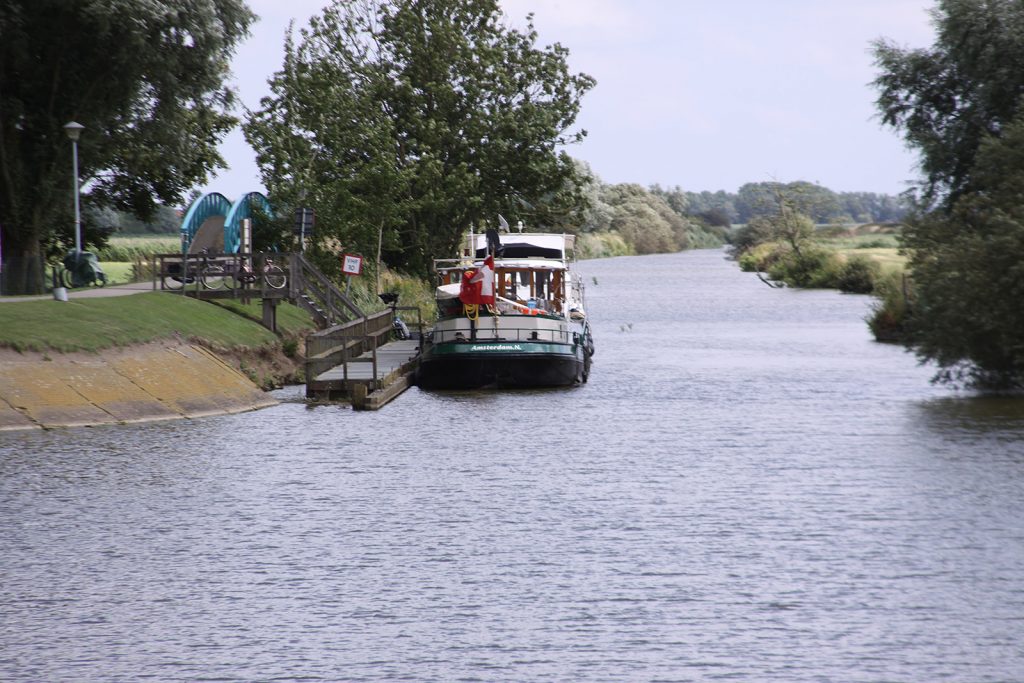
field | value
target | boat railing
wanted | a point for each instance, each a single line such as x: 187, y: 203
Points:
x: 509, y: 334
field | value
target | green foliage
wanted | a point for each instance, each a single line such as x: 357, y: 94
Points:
x: 858, y: 275
x: 146, y: 79
x: 889, y: 318
x: 164, y: 221
x: 757, y: 258
x: 602, y: 245
x: 968, y: 272
x: 945, y: 100
x: 413, y: 121
x: 412, y: 291
x: 644, y: 220
x: 812, y: 268
x: 958, y: 103
x: 819, y: 204
x: 135, y: 248
x: 787, y: 225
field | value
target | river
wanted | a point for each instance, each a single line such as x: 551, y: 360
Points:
x: 748, y: 488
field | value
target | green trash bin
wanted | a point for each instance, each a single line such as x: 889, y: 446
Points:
x: 82, y: 269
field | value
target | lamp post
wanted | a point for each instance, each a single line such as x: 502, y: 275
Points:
x: 74, y: 130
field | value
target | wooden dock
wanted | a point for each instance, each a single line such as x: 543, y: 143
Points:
x: 371, y: 379
x: 352, y: 357
x: 360, y: 362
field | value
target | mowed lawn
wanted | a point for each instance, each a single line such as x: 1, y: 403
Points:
x: 94, y: 324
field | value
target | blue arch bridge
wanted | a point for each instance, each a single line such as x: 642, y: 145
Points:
x: 215, y: 224
x: 351, y: 356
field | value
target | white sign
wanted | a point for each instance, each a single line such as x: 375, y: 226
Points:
x: 351, y: 264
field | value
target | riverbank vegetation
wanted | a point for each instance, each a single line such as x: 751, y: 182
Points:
x: 960, y: 107
x: 785, y: 247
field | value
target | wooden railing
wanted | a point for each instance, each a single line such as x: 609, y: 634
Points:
x: 312, y: 290
x: 338, y: 344
x: 264, y: 275
x: 259, y: 275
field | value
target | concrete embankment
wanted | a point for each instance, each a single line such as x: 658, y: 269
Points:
x: 157, y: 381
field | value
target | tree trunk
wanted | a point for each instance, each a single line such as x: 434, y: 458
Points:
x: 23, y: 271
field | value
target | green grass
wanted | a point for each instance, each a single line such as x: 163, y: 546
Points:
x: 117, y: 272
x: 291, y: 320
x: 882, y: 247
x: 100, y: 323
x: 889, y: 258
x: 861, y: 242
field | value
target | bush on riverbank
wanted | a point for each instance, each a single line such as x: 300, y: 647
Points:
x: 889, y: 320
x: 814, y: 267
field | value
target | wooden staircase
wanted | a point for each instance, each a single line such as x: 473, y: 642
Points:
x: 310, y: 289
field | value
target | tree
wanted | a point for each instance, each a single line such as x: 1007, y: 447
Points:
x: 947, y: 99
x: 959, y: 104
x: 146, y: 80
x: 969, y: 274
x: 412, y: 121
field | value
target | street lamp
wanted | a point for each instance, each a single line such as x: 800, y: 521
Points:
x: 74, y: 130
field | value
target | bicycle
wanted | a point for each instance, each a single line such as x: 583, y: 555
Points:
x: 213, y: 275
x: 273, y: 275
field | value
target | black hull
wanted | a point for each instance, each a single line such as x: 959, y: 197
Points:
x: 478, y: 371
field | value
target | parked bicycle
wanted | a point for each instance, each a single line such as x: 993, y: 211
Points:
x: 175, y: 276
x: 237, y: 271
x: 213, y: 274
x: 273, y: 275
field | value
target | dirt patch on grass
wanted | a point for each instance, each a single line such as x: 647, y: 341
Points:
x: 268, y: 367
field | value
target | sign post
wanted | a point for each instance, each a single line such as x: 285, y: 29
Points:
x: 304, y: 221
x: 351, y: 264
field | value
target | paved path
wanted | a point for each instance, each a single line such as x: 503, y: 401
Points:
x: 87, y: 292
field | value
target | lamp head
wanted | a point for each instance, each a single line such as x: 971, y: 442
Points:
x: 74, y: 130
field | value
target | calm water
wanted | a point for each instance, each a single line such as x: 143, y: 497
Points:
x: 747, y: 489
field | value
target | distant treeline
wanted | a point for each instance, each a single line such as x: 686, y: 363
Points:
x: 821, y: 204
x: 650, y: 220
x: 166, y: 221
x: 658, y: 220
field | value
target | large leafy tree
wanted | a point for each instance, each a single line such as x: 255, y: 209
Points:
x: 947, y: 98
x: 959, y: 104
x: 968, y: 266
x: 410, y: 121
x: 146, y: 79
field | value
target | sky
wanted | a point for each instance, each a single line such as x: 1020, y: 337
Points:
x: 700, y: 94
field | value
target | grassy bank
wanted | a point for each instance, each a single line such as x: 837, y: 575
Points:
x: 232, y: 330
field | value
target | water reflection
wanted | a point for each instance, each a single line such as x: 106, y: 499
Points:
x: 968, y: 418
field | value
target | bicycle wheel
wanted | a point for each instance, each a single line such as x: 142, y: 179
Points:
x: 274, y: 276
x: 66, y: 278
x: 213, y: 276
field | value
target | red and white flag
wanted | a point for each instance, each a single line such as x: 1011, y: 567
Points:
x: 478, y: 286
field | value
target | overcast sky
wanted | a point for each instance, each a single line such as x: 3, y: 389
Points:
x: 704, y: 94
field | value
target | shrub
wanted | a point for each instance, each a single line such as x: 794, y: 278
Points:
x: 813, y: 268
x: 889, y: 320
x: 858, y: 275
